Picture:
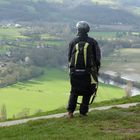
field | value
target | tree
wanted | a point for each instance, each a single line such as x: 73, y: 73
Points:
x: 128, y: 89
x: 3, y: 113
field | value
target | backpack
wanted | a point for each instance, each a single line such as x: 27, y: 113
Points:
x: 82, y: 59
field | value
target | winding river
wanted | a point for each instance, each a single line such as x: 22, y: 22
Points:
x: 134, y: 91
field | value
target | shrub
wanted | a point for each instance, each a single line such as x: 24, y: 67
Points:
x: 24, y: 113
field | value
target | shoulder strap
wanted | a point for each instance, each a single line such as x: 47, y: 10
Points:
x: 85, y: 53
x: 76, y: 55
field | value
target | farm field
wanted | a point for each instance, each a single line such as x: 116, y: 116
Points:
x: 103, y: 35
x: 46, y: 93
x: 11, y: 33
x: 124, y: 60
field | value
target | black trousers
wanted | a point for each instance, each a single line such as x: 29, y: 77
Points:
x: 73, y: 101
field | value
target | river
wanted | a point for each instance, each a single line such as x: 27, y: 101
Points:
x: 134, y: 91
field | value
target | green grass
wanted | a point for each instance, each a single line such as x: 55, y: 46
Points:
x: 123, y: 100
x: 115, y: 101
x: 106, y: 92
x: 113, y: 124
x: 48, y: 92
x: 137, y: 10
x: 4, y: 48
x: 103, y: 35
x: 10, y: 33
x: 48, y: 36
x: 56, y: 43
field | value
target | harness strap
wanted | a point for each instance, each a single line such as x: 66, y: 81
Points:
x: 93, y: 97
x: 76, y: 55
x: 92, y: 80
x: 85, y: 53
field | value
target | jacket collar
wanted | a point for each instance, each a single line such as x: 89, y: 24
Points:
x: 82, y: 35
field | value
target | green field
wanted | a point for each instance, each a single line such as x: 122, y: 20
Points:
x: 122, y: 60
x: 48, y: 92
x: 103, y: 35
x: 131, y: 53
x: 4, y: 48
x: 112, y: 124
x: 11, y: 33
x: 127, y: 54
x: 136, y: 10
x: 48, y: 36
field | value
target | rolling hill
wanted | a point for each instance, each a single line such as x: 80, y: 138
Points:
x: 102, y: 12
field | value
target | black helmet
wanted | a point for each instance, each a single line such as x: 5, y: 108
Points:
x: 83, y: 26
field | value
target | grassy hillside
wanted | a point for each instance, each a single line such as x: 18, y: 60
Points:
x: 116, y: 123
x: 49, y: 92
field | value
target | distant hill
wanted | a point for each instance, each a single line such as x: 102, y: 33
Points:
x: 102, y: 12
x: 118, y: 3
x: 131, y: 6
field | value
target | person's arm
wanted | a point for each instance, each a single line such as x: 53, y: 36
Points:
x: 98, y: 55
x: 69, y: 52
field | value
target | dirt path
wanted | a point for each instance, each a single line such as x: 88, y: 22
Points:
x: 17, y: 122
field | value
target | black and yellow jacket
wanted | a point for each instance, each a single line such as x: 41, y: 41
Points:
x: 85, y: 84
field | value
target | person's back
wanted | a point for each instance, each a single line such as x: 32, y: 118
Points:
x: 84, y: 62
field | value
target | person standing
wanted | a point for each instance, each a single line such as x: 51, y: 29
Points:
x: 84, y: 62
